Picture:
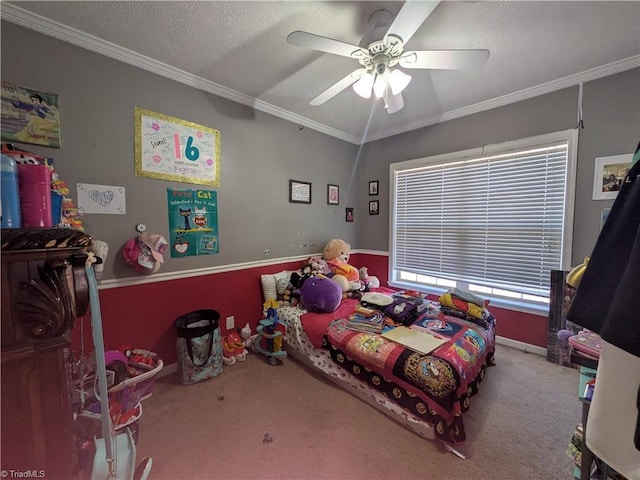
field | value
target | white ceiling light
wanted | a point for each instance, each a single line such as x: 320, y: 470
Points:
x: 398, y: 81
x: 380, y: 85
x: 363, y: 86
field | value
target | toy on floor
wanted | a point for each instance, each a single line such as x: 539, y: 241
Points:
x: 269, y: 338
x: 247, y: 336
x: 233, y: 349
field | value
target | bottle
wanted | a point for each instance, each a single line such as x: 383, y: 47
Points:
x: 10, y: 201
x: 35, y: 195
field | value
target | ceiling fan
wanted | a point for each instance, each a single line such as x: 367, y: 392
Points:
x: 381, y: 53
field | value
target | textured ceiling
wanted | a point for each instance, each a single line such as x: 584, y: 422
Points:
x: 239, y: 50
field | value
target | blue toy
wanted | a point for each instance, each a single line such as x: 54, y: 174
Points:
x: 269, y: 338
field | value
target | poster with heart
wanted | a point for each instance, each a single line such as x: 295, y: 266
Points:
x: 193, y: 222
x: 101, y: 199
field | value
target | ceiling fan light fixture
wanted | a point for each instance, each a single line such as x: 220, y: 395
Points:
x: 363, y: 86
x: 398, y: 81
x: 379, y: 85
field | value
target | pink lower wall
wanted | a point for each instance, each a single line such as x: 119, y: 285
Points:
x: 142, y: 315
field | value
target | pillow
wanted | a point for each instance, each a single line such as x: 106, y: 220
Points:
x: 270, y: 282
x: 379, y: 299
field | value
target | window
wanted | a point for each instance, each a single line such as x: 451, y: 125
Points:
x: 493, y: 220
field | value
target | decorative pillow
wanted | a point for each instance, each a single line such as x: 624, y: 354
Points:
x: 270, y: 284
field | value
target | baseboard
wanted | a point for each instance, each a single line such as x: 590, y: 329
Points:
x: 168, y: 370
x: 525, y: 347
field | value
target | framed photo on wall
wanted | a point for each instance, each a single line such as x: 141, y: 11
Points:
x: 609, y: 175
x: 299, y: 192
x: 348, y: 214
x: 373, y: 187
x: 374, y: 207
x: 333, y: 194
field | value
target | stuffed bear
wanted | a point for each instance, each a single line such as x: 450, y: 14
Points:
x: 336, y: 254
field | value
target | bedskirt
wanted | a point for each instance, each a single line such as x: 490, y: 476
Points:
x: 299, y: 346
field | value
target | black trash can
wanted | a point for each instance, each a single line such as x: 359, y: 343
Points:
x: 199, y: 346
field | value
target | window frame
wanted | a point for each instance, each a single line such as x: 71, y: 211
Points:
x: 570, y: 136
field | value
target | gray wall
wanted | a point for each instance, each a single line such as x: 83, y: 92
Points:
x: 611, y: 113
x: 259, y: 154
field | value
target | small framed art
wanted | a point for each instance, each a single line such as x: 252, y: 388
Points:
x: 374, y: 207
x: 333, y: 194
x: 373, y: 187
x: 299, y: 192
x: 609, y: 175
x: 348, y: 214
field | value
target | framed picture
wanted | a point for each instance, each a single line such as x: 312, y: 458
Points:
x: 333, y: 194
x: 348, y: 214
x: 299, y: 192
x: 609, y: 175
x: 168, y: 148
x: 29, y: 116
x: 374, y: 207
x: 373, y: 187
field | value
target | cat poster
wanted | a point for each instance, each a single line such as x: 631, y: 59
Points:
x: 193, y: 222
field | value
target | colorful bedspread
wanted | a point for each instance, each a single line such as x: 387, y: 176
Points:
x: 435, y: 386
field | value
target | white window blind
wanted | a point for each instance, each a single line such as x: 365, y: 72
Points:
x: 494, y: 220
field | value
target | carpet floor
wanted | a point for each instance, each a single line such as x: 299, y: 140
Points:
x: 518, y: 427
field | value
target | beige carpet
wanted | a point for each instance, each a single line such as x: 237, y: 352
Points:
x: 518, y: 427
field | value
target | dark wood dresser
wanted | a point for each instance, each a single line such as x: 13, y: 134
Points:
x: 44, y: 290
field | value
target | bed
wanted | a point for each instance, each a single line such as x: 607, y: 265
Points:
x: 428, y: 393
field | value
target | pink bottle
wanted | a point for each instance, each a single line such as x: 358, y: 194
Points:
x: 35, y: 195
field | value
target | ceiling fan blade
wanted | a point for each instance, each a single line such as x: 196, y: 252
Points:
x: 409, y: 18
x: 445, y: 59
x: 337, y: 87
x: 393, y: 103
x: 323, y: 44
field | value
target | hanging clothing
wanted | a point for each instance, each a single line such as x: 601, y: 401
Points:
x: 607, y: 300
x: 611, y: 425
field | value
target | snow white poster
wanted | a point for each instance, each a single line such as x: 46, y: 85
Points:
x: 29, y: 116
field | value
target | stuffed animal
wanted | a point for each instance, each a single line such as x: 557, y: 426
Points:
x: 336, y: 254
x: 320, y: 294
x: 369, y: 281
x: 318, y: 265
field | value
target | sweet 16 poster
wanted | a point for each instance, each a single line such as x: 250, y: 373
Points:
x: 193, y: 222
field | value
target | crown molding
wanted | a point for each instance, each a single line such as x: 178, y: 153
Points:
x: 548, y: 87
x: 48, y: 27
x: 57, y: 30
